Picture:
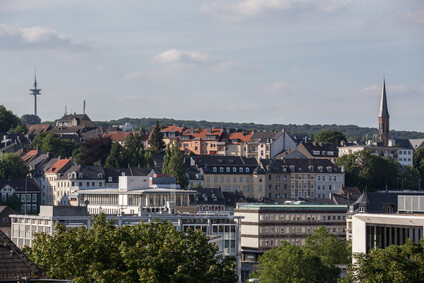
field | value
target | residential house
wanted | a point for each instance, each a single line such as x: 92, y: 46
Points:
x: 318, y: 150
x: 51, y: 176
x: 5, y: 221
x: 26, y: 189
x: 268, y: 144
x: 74, y: 120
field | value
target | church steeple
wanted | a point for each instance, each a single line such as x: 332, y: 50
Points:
x: 384, y: 112
x: 383, y: 119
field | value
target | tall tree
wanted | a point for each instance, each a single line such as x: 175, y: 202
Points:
x: 328, y: 247
x: 94, y: 151
x: 30, y: 119
x: 13, y: 201
x: 290, y: 263
x: 146, y: 252
x: 148, y: 159
x: 118, y: 157
x: 403, y: 263
x: 156, y: 142
x: 419, y: 162
x: 330, y: 136
x: 174, y: 165
x: 8, y: 120
x: 11, y: 165
x: 135, y: 150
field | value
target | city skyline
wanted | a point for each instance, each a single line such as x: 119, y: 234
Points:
x: 314, y: 62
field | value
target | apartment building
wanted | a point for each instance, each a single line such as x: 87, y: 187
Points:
x: 268, y: 144
x: 230, y: 174
x: 50, y: 179
x: 26, y: 189
x: 318, y: 150
x: 264, y: 227
x: 273, y: 175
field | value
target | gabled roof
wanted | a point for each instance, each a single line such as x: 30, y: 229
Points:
x: 84, y: 172
x: 60, y: 166
x: 20, y: 184
x: 416, y: 143
x: 266, y: 136
x: 39, y: 128
x: 321, y: 149
x: 241, y: 136
x: 5, y: 211
x: 117, y: 137
x: 27, y: 157
x: 70, y: 117
x: 14, y: 263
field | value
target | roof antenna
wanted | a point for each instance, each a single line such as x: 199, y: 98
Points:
x: 66, y: 110
x: 83, y: 107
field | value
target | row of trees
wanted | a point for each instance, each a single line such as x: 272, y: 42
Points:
x: 153, y: 252
x: 314, y: 262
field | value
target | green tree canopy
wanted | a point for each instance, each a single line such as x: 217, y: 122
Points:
x: 13, y: 201
x: 93, y: 151
x: 50, y: 142
x: 365, y: 170
x: 403, y: 263
x: 12, y: 165
x: 156, y: 142
x: 135, y: 150
x: 118, y: 157
x: 330, y: 136
x: 328, y: 247
x: 174, y: 165
x: 153, y: 252
x: 290, y: 263
x: 8, y: 120
x: 419, y: 162
x: 30, y: 119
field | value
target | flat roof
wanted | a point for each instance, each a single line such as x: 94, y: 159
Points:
x: 293, y: 206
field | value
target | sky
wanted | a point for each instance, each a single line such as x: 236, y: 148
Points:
x: 275, y: 61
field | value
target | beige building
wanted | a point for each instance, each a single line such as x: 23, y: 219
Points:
x: 51, y: 176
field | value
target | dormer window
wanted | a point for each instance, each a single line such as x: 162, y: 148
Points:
x: 235, y: 169
x: 329, y: 168
x: 228, y: 169
x: 221, y: 169
x: 109, y: 179
x: 241, y: 169
x: 214, y: 197
x: 80, y: 175
x: 247, y: 169
x: 330, y: 153
x: 100, y: 175
x: 315, y: 152
x: 214, y: 169
x: 205, y: 197
x: 320, y: 168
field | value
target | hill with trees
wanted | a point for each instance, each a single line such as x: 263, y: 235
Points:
x: 351, y: 132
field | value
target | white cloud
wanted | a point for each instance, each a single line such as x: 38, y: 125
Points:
x: 252, y: 8
x: 12, y: 37
x: 416, y: 16
x: 175, y: 57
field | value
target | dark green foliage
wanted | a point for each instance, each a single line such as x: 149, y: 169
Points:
x: 174, y: 165
x: 118, y: 157
x: 29, y: 119
x: 8, y: 120
x: 135, y: 150
x: 351, y: 132
x: 403, y: 263
x: 11, y: 165
x: 365, y: 170
x: 156, y: 142
x: 328, y: 247
x: 93, y: 151
x: 330, y: 136
x: 19, y: 129
x: 154, y: 252
x: 290, y: 263
x: 148, y: 159
x: 13, y: 201
x: 50, y: 142
x: 419, y: 162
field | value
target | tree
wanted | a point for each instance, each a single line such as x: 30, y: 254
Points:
x: 407, y: 176
x: 29, y: 119
x: 174, y: 165
x: 328, y: 247
x: 419, y: 161
x: 149, y: 161
x: 403, y: 263
x: 365, y: 170
x: 135, y: 150
x: 14, y: 202
x: 12, y: 165
x: 8, y: 120
x: 50, y: 142
x: 156, y: 139
x: 117, y: 157
x: 290, y: 263
x: 330, y: 136
x: 146, y: 252
x: 94, y: 151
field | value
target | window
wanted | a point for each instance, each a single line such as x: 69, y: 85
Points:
x: 234, y: 180
x: 241, y: 169
x: 214, y: 169
x: 247, y: 169
x: 234, y: 169
x: 34, y: 197
x: 228, y: 179
x: 241, y: 179
x: 221, y: 169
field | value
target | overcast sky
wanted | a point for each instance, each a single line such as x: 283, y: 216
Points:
x: 276, y: 61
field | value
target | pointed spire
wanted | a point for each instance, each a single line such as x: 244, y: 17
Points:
x: 384, y: 112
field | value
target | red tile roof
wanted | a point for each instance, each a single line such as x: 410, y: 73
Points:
x: 58, y: 165
x: 116, y: 136
x: 27, y: 157
x: 240, y: 136
x: 36, y: 129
